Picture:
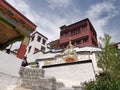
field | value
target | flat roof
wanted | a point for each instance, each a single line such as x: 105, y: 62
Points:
x: 39, y: 34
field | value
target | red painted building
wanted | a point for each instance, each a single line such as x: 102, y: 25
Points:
x: 81, y: 33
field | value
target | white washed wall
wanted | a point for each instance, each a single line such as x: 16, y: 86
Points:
x: 71, y: 75
x: 9, y: 64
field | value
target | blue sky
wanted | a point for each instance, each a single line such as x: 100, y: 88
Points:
x: 49, y: 15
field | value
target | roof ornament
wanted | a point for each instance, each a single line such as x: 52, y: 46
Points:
x: 69, y: 54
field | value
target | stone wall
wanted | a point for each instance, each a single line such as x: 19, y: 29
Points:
x: 33, y: 78
x: 45, y: 84
x: 30, y: 77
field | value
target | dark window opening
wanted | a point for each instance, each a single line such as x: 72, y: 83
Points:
x: 84, y: 27
x: 43, y: 48
x: 74, y: 32
x: 78, y: 42
x: 85, y: 40
x: 93, y: 42
x: 39, y: 38
x: 22, y: 22
x: 78, y: 31
x: 44, y: 41
x: 32, y: 38
x: 36, y: 50
x: 64, y: 34
x: 1, y: 11
x: 29, y: 49
x: 10, y: 13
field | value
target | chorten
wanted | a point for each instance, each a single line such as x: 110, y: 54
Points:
x: 69, y: 54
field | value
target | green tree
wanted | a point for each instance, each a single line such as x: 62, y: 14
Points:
x: 109, y: 61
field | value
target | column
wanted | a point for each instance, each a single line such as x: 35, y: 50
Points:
x: 22, y: 49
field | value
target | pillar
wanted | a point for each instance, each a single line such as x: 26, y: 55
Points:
x: 22, y: 49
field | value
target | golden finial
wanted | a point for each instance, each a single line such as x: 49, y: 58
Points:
x: 70, y: 43
x: 70, y: 54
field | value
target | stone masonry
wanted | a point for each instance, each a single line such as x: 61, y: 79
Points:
x: 33, y: 78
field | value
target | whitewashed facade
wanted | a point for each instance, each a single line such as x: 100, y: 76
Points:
x: 37, y: 42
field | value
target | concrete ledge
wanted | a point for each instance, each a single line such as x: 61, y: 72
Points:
x: 65, y: 64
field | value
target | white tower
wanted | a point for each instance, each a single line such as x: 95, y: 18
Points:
x: 37, y: 43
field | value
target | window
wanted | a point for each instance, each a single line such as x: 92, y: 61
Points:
x: 64, y: 34
x: 93, y: 42
x: 78, y: 41
x: 29, y: 49
x: 85, y: 39
x: 43, y: 48
x: 32, y: 38
x: 1, y: 11
x: 78, y: 31
x: 36, y: 50
x: 84, y: 27
x: 73, y: 33
x: 21, y: 21
x: 44, y: 41
x: 14, y: 20
x: 39, y: 38
x: 10, y: 13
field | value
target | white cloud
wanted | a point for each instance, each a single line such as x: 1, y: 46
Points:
x: 99, y: 22
x: 50, y: 26
x: 100, y: 8
x: 19, y: 5
x: 58, y: 3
